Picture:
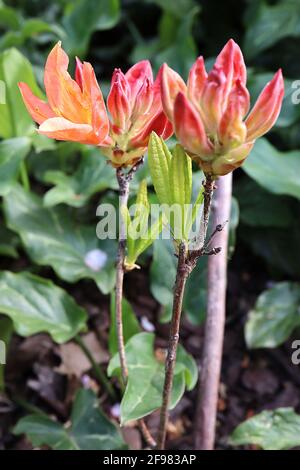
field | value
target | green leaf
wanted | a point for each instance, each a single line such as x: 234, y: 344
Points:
x: 259, y: 208
x: 83, y: 18
x: 92, y: 175
x: 53, y: 238
x: 271, y: 23
x: 89, y: 429
x: 6, y: 330
x: 9, y: 242
x: 271, y: 430
x: 143, y: 392
x: 15, y: 120
x: 35, y: 304
x: 275, y: 315
x: 130, y: 324
x: 12, y: 153
x: 159, y: 159
x: 278, y: 172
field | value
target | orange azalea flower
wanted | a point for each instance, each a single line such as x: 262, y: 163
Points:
x: 76, y: 109
x: 210, y: 113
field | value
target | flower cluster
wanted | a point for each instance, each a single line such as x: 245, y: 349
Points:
x: 76, y: 109
x: 210, y: 114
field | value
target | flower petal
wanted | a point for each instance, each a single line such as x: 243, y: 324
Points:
x: 78, y: 72
x: 266, y: 109
x: 118, y: 101
x: 171, y: 85
x: 189, y: 127
x: 196, y: 81
x: 64, y: 93
x: 232, y: 129
x: 38, y: 109
x: 94, y: 98
x: 159, y: 124
x: 61, y: 129
x: 136, y: 76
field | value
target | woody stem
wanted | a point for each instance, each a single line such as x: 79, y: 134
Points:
x: 186, y: 263
x: 124, y: 183
x: 123, y: 201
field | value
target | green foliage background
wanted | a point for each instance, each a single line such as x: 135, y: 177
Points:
x: 54, y: 223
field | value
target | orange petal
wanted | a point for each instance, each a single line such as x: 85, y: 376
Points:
x: 61, y: 129
x: 94, y: 98
x: 189, y: 127
x: 266, y: 109
x: 196, y: 81
x: 171, y: 85
x: 38, y: 109
x: 118, y: 100
x: 136, y: 75
x: 64, y: 93
x: 232, y: 129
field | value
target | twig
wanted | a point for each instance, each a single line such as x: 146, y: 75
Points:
x: 96, y: 368
x: 124, y: 182
x: 181, y: 277
x: 185, y: 265
x: 205, y: 418
x: 123, y: 201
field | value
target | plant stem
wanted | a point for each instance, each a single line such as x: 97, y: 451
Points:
x: 205, y: 419
x: 186, y: 263
x: 123, y: 201
x: 181, y: 277
x: 124, y: 183
x: 96, y: 368
x: 24, y: 176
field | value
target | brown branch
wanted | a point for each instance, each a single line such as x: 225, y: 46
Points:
x: 123, y: 201
x: 205, y: 419
x: 124, y: 182
x: 181, y: 277
x: 186, y: 263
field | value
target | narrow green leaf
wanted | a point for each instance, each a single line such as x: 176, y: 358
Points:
x: 159, y: 158
x: 12, y: 154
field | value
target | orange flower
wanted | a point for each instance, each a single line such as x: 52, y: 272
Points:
x: 210, y: 113
x: 76, y: 109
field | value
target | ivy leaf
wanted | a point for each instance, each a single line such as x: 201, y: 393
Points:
x: 89, y: 429
x: 278, y: 172
x: 15, y: 120
x: 143, y: 392
x: 271, y: 430
x: 12, y: 153
x: 35, y: 305
x: 271, y: 23
x: 83, y: 18
x: 275, y: 315
x: 130, y: 324
x: 52, y: 238
x: 92, y: 175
